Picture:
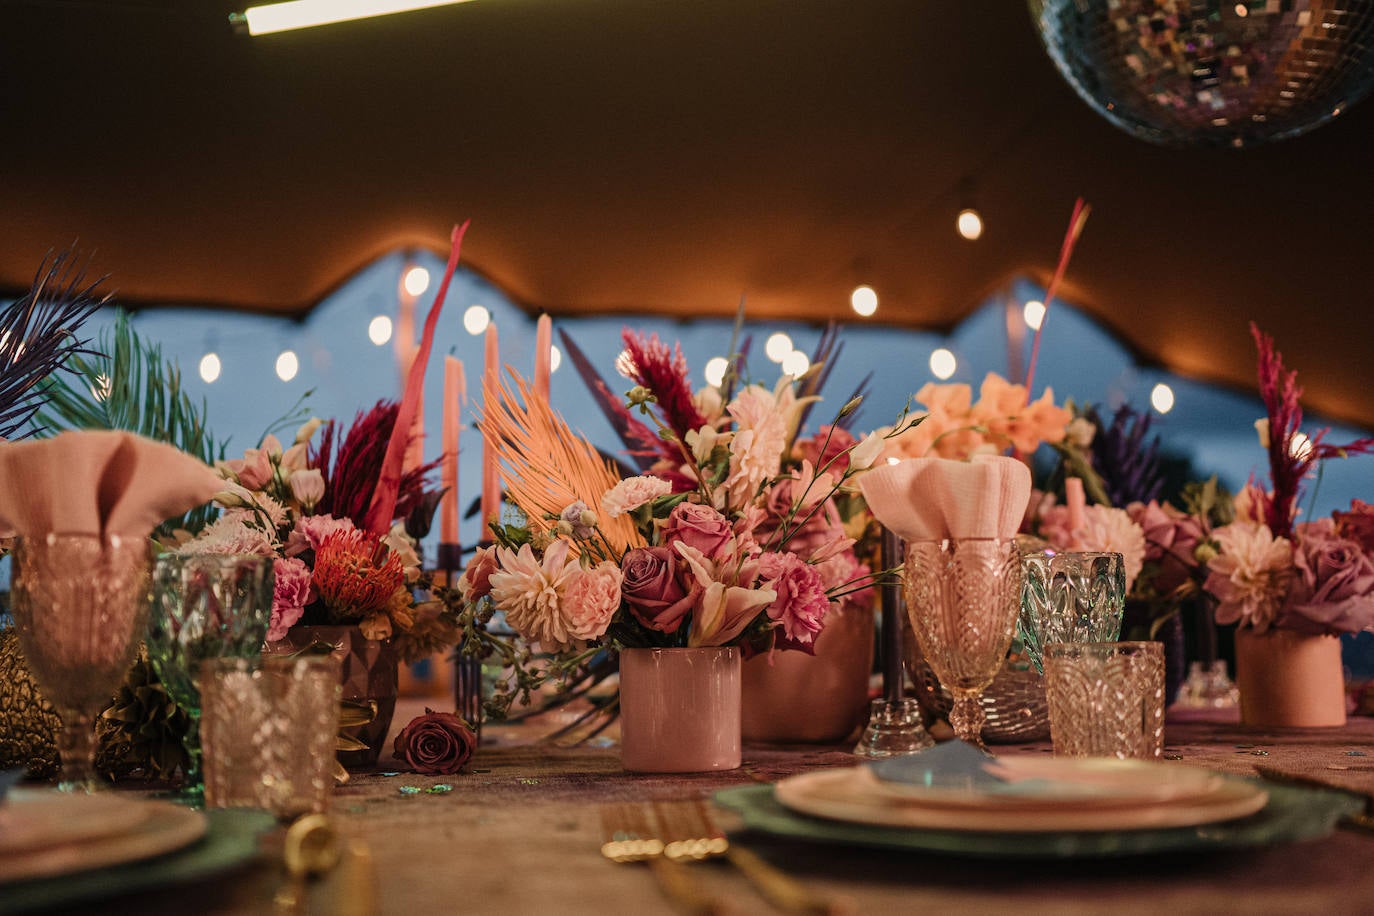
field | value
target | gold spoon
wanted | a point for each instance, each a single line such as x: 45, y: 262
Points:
x: 311, y: 849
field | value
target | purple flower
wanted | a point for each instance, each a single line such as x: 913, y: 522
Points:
x: 1333, y: 590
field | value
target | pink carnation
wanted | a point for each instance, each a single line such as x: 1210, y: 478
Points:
x: 633, y: 492
x: 591, y: 599
x: 312, y: 530
x: 291, y: 592
x: 830, y: 444
x: 801, y: 603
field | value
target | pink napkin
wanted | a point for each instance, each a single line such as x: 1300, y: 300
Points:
x: 936, y: 498
x: 97, y: 482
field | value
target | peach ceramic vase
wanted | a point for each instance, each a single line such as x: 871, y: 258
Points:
x: 680, y: 709
x: 1288, y: 678
x: 791, y: 697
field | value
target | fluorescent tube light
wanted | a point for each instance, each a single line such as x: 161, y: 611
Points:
x: 302, y: 14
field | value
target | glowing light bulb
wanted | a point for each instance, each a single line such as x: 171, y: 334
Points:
x: 476, y: 319
x: 943, y: 363
x: 1242, y: 10
x: 625, y: 364
x: 969, y: 224
x: 1034, y: 313
x: 1162, y: 398
x: 210, y: 367
x: 1300, y: 446
x: 415, y: 281
x: 715, y: 370
x: 796, y: 363
x: 778, y: 346
x: 287, y: 365
x: 555, y: 359
x: 863, y: 300
x: 379, y: 330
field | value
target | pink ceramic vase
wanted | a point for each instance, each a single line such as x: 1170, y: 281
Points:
x: 1289, y: 679
x: 792, y: 697
x: 680, y: 709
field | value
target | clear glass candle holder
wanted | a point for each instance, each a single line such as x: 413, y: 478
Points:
x: 1071, y: 597
x: 1106, y: 699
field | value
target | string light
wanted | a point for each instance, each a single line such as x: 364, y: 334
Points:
x: 379, y: 330
x: 969, y: 223
x: 778, y: 346
x: 625, y: 364
x: 304, y: 14
x: 864, y: 301
x: 1034, y: 313
x: 210, y: 367
x: 287, y: 365
x: 796, y: 363
x: 943, y: 363
x: 555, y: 359
x: 476, y: 319
x: 1162, y: 398
x: 1300, y: 446
x: 715, y: 370
x: 416, y: 280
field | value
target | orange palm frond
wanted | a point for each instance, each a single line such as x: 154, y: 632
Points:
x: 545, y: 465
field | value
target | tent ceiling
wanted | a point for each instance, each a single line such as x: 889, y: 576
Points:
x: 641, y: 155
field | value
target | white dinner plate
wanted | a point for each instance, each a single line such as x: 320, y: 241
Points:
x: 855, y: 795
x: 58, y: 834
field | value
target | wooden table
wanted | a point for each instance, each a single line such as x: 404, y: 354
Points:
x: 520, y: 833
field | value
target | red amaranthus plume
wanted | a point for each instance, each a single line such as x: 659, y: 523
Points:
x: 352, y: 463
x: 1290, y: 459
x: 664, y: 372
x: 356, y: 574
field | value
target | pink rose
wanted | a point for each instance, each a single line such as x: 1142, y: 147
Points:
x: 1171, y: 536
x: 291, y: 592
x: 1333, y: 590
x: 818, y: 451
x: 810, y: 533
x: 1358, y: 524
x: 801, y: 604
x: 653, y: 589
x: 590, y: 600
x: 476, y: 579
x: 435, y: 744
x: 700, y: 527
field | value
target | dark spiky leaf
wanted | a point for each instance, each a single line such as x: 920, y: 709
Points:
x: 38, y: 336
x: 351, y: 464
x: 640, y: 441
x: 1127, y: 464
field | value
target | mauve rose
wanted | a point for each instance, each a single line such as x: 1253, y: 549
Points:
x: 1358, y: 524
x: 1171, y: 537
x: 653, y: 588
x: 1333, y: 590
x: 435, y: 744
x: 818, y: 451
x: 476, y: 579
x: 816, y: 531
x: 700, y: 527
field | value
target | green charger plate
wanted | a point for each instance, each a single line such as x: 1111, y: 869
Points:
x: 1293, y: 813
x: 230, y: 841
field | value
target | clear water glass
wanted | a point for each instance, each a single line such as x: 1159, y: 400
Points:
x: 1106, y: 699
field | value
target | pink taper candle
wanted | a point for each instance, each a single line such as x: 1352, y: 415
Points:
x: 491, y: 475
x: 543, y: 354
x: 454, y: 394
x: 1073, y: 493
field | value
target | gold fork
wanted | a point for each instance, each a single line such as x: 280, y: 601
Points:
x: 631, y: 836
x: 694, y: 836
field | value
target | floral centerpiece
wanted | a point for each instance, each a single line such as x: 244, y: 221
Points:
x: 1291, y: 586
x: 731, y: 534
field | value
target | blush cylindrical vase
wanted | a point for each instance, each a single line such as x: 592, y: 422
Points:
x: 1289, y: 679
x: 680, y: 709
x: 791, y: 697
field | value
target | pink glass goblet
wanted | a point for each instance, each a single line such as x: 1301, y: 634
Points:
x: 963, y: 597
x: 80, y: 605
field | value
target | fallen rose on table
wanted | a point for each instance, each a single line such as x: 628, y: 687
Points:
x: 435, y: 744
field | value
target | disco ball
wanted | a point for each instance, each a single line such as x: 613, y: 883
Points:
x: 1204, y: 73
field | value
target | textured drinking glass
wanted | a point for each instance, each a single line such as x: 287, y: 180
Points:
x: 1071, y: 597
x: 205, y: 606
x: 1106, y: 698
x: 269, y: 728
x: 80, y: 604
x: 963, y: 597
